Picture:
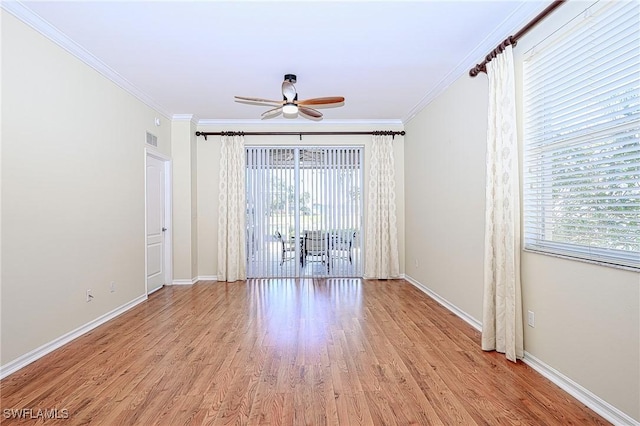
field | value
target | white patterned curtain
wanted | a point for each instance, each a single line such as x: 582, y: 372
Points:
x: 502, y: 306
x: 381, y: 243
x: 232, y: 210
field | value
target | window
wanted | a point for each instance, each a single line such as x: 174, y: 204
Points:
x: 582, y: 138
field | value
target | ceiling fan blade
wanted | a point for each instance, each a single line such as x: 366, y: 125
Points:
x: 272, y: 111
x: 322, y: 101
x: 310, y: 112
x: 288, y: 91
x: 269, y: 101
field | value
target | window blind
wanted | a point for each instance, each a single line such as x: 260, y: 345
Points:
x: 295, y: 191
x: 582, y: 138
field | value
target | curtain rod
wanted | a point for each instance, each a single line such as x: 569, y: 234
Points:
x: 513, y: 40
x: 383, y: 132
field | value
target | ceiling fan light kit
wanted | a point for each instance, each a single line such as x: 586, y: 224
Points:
x: 290, y: 106
x: 290, y: 109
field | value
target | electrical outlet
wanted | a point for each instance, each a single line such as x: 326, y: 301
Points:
x: 416, y: 262
x: 112, y: 287
x: 89, y: 295
x: 531, y: 319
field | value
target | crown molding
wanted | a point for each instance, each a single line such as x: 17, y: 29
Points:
x: 518, y: 19
x: 298, y: 123
x: 18, y: 9
x: 185, y: 117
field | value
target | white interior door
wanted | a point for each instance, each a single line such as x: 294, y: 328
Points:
x: 155, y: 178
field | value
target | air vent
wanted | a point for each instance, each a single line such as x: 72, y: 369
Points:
x: 152, y: 139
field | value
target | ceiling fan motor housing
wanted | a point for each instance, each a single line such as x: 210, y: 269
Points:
x: 291, y: 78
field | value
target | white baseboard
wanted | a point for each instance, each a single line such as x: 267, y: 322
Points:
x: 598, y: 405
x: 185, y: 282
x: 26, y: 359
x: 603, y: 408
x: 208, y: 278
x: 195, y: 280
x: 444, y: 302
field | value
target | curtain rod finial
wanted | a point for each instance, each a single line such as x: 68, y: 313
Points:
x: 477, y: 70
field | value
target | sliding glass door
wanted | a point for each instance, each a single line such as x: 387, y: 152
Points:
x: 304, y: 211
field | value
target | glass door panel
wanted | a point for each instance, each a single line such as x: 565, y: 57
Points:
x: 304, y: 211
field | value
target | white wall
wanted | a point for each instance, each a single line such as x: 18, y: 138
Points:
x: 587, y: 316
x: 208, y: 175
x: 72, y: 191
x: 185, y: 222
x: 444, y: 178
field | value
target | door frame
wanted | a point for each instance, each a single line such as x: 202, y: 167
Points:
x: 168, y: 240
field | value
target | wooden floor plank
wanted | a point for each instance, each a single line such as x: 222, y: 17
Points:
x: 287, y: 352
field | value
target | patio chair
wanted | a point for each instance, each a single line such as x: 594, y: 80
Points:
x: 341, y: 245
x: 288, y: 248
x: 316, y: 244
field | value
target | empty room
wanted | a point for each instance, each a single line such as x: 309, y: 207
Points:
x: 320, y: 212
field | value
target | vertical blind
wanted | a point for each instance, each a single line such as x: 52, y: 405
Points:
x: 582, y: 138
x: 293, y: 190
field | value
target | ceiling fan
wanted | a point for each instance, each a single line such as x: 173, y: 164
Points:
x: 290, y: 106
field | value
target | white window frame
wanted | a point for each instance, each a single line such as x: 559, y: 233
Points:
x: 540, y: 214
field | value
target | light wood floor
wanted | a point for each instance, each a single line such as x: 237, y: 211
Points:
x: 289, y: 352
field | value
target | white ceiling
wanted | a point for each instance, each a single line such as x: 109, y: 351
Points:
x: 387, y: 58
